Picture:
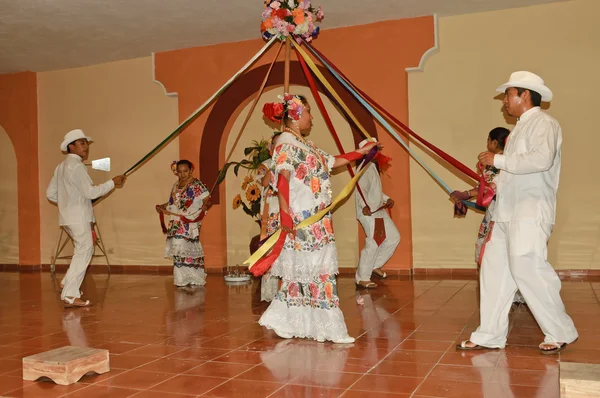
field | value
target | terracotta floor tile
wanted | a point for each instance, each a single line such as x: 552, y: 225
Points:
x: 414, y: 356
x: 406, y: 331
x: 186, y: 384
x: 161, y: 394
x: 239, y: 388
x: 44, y: 389
x: 136, y: 379
x: 219, y: 369
x: 424, y: 345
x: 450, y: 389
x: 298, y: 391
x: 323, y: 378
x: 102, y: 392
x: 199, y: 354
x: 170, y: 365
x: 248, y: 357
x: 461, y: 373
x: 127, y: 361
x: 390, y: 384
x: 405, y: 369
x: 8, y: 383
x: 371, y: 394
x: 156, y: 350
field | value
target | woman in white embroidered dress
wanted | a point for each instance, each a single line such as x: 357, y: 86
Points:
x: 188, y: 198
x: 307, y: 303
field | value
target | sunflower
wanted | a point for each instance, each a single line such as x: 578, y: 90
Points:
x: 237, y: 201
x: 247, y: 180
x: 252, y: 193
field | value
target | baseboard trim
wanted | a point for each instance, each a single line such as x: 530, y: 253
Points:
x: 455, y: 273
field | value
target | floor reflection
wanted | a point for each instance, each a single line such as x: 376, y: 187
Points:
x: 205, y: 341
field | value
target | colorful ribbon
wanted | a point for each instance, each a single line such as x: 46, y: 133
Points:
x: 202, y: 107
x: 376, y: 115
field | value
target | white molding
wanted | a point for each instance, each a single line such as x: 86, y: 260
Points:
x: 168, y: 94
x: 435, y: 48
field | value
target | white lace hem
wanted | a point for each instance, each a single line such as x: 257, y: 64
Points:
x: 268, y: 287
x: 304, y: 266
x: 182, y: 248
x: 305, y: 322
x: 183, y: 276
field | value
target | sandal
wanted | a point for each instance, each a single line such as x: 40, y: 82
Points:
x: 366, y: 285
x: 63, y: 286
x: 69, y: 302
x: 383, y: 275
x: 463, y: 346
x: 558, y: 347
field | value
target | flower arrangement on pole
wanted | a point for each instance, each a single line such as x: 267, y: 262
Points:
x: 284, y: 17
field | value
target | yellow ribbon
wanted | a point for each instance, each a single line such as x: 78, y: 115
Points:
x: 324, y: 81
x: 308, y: 221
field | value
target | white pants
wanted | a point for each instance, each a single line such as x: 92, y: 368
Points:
x: 82, y: 254
x: 373, y: 256
x: 516, y: 258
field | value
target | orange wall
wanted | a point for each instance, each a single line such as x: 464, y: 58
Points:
x: 18, y: 116
x: 373, y: 56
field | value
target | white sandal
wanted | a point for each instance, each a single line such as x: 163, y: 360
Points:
x: 70, y: 302
x: 558, y: 347
x: 344, y: 340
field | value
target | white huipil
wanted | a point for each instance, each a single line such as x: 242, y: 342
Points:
x: 516, y: 254
x: 373, y: 256
x: 72, y: 189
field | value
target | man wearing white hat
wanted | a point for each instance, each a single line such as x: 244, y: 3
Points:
x: 516, y: 254
x: 382, y: 236
x: 73, y: 190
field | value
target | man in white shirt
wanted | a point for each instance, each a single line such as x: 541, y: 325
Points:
x: 73, y: 190
x: 516, y: 254
x: 382, y: 236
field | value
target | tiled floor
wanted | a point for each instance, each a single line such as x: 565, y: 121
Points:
x: 166, y: 342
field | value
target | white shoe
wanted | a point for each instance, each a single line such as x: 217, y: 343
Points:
x: 344, y: 340
x: 320, y: 340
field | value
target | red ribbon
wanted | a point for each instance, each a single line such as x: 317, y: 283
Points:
x: 467, y: 171
x: 161, y: 217
x: 485, y: 193
x: 263, y: 265
x: 323, y: 110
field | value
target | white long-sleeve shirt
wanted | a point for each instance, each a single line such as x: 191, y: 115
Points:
x: 526, y: 191
x: 73, y: 190
x: 370, y: 184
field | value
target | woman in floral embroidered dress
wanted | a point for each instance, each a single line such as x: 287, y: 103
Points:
x: 188, y: 198
x: 307, y: 303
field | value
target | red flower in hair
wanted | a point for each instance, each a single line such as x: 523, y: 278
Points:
x: 273, y: 111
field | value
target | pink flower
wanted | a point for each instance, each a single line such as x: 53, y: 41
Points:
x: 266, y: 13
x: 316, y: 230
x: 319, y: 14
x: 293, y: 289
x: 290, y: 28
x: 312, y: 161
x: 323, y: 277
x: 301, y: 172
x: 275, y: 5
x: 314, y: 290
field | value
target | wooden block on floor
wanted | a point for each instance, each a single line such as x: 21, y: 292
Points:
x: 579, y: 380
x: 65, y: 365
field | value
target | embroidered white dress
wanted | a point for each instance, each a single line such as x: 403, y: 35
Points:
x: 183, y: 239
x: 307, y: 304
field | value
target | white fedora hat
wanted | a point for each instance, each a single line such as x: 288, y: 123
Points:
x: 528, y: 80
x: 71, y: 136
